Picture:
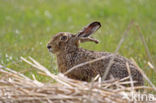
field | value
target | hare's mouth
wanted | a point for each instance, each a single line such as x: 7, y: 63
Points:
x: 50, y: 50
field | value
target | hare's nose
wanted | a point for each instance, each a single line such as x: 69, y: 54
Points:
x: 48, y: 46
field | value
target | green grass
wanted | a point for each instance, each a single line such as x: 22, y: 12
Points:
x: 27, y: 25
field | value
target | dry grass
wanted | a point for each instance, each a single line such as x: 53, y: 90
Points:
x: 17, y: 88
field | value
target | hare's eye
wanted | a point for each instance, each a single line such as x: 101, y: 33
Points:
x: 64, y: 38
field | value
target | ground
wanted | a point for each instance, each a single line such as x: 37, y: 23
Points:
x: 26, y: 26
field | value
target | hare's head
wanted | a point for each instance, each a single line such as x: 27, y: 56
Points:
x: 66, y: 42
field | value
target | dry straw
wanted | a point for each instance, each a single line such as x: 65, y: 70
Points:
x: 17, y: 88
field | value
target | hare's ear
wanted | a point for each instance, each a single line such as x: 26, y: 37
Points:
x: 90, y: 29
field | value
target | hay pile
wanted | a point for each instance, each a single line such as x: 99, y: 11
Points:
x: 17, y: 88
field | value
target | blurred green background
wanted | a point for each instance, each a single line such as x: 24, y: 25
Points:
x: 26, y: 26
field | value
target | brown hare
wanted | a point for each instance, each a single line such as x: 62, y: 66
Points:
x: 66, y: 47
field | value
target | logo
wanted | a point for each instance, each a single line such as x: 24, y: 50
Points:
x: 139, y: 97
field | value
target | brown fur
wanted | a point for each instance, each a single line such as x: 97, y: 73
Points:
x: 66, y: 47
